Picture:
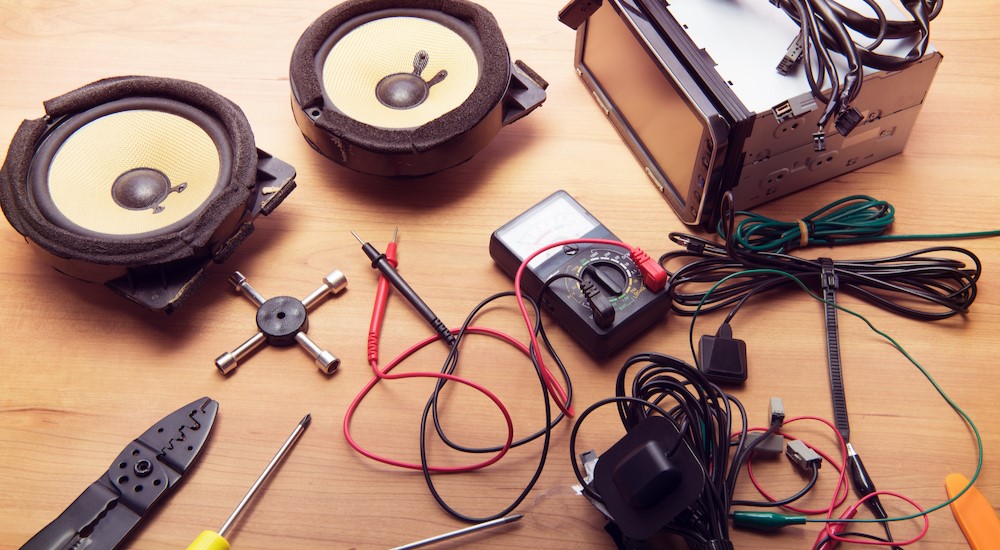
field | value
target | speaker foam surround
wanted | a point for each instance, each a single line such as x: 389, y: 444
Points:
x: 139, y: 183
x: 407, y: 87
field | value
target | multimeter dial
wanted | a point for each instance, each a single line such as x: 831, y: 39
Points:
x: 613, y: 272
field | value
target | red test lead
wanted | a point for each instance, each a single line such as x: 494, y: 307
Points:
x: 381, y: 299
x: 381, y: 262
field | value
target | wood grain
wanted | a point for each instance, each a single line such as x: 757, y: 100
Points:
x: 83, y: 372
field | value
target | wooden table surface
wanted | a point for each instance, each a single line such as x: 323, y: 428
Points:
x: 83, y: 372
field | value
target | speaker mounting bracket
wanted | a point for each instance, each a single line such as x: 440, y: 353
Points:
x: 283, y: 321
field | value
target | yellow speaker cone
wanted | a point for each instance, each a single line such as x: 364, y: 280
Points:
x: 400, y: 72
x: 132, y: 172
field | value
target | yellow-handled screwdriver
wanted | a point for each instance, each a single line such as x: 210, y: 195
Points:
x: 210, y: 540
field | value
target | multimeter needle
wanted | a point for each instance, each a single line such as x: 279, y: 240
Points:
x: 381, y: 263
x: 460, y: 532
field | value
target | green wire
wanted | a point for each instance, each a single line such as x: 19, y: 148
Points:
x: 850, y: 220
x: 895, y: 344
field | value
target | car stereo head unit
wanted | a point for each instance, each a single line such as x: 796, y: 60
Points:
x: 692, y: 88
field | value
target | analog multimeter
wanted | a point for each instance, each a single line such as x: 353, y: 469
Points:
x: 558, y: 218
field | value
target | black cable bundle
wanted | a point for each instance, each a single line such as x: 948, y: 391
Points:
x: 703, y: 415
x: 921, y: 284
x: 825, y: 27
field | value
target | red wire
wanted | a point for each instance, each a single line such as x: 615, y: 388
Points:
x: 839, y: 467
x: 833, y: 531
x: 375, y: 327
x: 551, y: 383
x: 382, y: 374
x: 837, y: 500
x: 833, y: 528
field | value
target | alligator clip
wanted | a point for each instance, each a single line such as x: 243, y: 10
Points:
x: 146, y: 470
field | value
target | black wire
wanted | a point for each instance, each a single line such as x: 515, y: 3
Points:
x: 883, y: 25
x: 702, y: 414
x: 743, y: 453
x: 921, y: 284
x: 825, y: 28
x: 785, y: 501
x: 428, y: 478
x: 451, y: 364
x: 888, y: 535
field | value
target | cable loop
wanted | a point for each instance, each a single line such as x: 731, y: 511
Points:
x: 931, y: 283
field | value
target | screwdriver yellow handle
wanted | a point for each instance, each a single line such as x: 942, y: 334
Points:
x: 209, y: 540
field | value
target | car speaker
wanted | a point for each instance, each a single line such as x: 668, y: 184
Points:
x: 139, y: 183
x: 407, y: 87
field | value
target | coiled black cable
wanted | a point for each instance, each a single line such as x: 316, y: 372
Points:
x: 545, y: 433
x: 703, y: 414
x: 825, y: 27
x: 923, y: 284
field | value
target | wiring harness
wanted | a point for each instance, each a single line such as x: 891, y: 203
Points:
x: 703, y: 414
x: 713, y: 426
x: 923, y: 284
x: 825, y: 29
x: 754, y: 259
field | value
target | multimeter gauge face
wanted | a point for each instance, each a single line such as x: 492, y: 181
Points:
x: 554, y: 220
x: 615, y: 274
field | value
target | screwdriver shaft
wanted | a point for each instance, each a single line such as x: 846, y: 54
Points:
x: 381, y: 263
x: 460, y: 532
x: 267, y: 472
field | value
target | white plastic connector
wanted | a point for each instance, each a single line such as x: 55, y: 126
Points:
x: 776, y: 411
x: 802, y: 456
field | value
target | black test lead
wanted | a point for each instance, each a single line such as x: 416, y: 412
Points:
x: 381, y: 263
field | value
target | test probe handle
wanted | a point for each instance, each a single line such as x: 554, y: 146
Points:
x: 381, y: 263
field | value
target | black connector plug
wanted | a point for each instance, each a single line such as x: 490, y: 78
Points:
x: 847, y: 121
x: 723, y: 358
x: 600, y: 306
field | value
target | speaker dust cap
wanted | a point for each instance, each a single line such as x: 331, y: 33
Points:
x: 139, y: 183
x: 407, y: 87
